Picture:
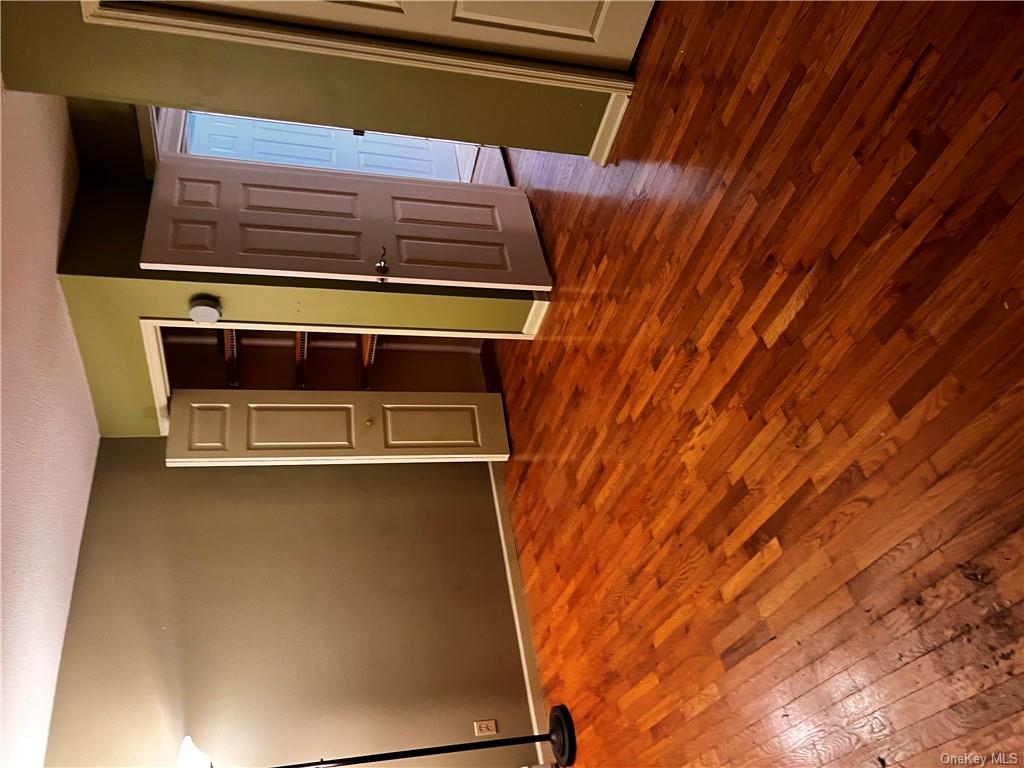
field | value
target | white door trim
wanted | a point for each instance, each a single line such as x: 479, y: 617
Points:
x: 170, y: 132
x: 156, y: 365
x: 538, y: 311
x: 614, y: 111
x: 520, y: 615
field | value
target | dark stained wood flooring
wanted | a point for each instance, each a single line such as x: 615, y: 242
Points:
x: 767, y: 483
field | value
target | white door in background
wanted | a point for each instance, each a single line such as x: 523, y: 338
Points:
x: 318, y: 146
x: 211, y: 215
x: 238, y: 427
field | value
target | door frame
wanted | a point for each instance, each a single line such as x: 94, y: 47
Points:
x: 156, y: 363
x: 619, y: 86
x: 170, y: 131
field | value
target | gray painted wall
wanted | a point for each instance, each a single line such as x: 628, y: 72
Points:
x: 283, y: 614
x: 49, y: 430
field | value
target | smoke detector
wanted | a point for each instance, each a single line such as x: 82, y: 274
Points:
x: 204, y: 309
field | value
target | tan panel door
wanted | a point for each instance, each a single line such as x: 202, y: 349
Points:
x: 212, y: 215
x: 233, y: 427
x: 600, y: 33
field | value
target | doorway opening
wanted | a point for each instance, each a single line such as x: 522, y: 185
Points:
x: 262, y: 395
x: 306, y: 145
x: 181, y: 354
x: 200, y: 357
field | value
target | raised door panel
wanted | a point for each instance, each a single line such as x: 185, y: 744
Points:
x: 224, y: 216
x: 601, y: 33
x: 210, y: 427
x: 211, y: 215
x: 406, y: 156
x: 440, y: 424
x: 484, y: 237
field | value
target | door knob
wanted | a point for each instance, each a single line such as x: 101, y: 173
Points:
x: 382, y: 263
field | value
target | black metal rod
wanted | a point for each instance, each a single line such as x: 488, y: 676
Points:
x: 469, y: 746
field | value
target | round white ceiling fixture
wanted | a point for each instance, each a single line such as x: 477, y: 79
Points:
x: 204, y: 310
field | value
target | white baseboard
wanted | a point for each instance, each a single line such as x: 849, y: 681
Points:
x: 524, y: 633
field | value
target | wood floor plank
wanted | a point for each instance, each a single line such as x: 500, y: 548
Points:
x: 767, y: 482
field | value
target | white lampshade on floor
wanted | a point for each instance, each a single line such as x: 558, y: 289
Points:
x: 191, y: 756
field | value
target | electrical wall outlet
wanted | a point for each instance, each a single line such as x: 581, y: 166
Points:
x: 485, y: 727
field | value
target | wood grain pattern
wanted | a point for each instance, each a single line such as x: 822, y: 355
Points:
x: 767, y: 479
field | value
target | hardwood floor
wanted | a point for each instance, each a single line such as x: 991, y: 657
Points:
x: 767, y: 483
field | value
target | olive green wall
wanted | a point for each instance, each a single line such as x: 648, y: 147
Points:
x: 105, y: 312
x: 48, y: 48
x: 283, y: 614
x: 107, y: 140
